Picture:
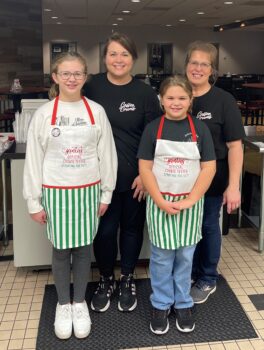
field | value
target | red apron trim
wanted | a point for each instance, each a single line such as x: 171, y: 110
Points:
x: 55, y: 109
x: 71, y: 187
x: 159, y: 133
x: 175, y: 195
x: 54, y: 112
x: 88, y: 109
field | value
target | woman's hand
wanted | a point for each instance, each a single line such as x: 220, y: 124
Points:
x: 102, y: 209
x: 232, y: 198
x: 39, y: 217
x: 139, y: 188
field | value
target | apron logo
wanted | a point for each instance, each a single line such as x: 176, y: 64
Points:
x: 55, y: 132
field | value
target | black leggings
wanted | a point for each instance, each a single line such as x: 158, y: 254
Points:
x: 128, y: 214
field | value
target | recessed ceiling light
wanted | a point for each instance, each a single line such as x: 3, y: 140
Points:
x: 168, y: 25
x: 59, y: 23
x: 120, y: 19
x: 237, y: 20
x: 135, y: 0
x: 242, y: 24
x: 54, y: 17
x: 228, y: 2
x: 182, y: 20
x: 47, y: 10
x: 221, y: 29
x: 217, y: 25
x: 126, y: 11
x: 200, y: 13
x: 114, y: 24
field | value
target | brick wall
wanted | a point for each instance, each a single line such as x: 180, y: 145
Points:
x: 21, y: 54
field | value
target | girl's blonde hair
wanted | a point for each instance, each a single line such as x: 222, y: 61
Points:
x: 176, y: 80
x: 208, y: 48
x: 65, y: 56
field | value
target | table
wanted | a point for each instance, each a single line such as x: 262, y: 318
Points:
x: 26, y: 92
x: 16, y: 151
x: 254, y: 85
x: 256, y: 143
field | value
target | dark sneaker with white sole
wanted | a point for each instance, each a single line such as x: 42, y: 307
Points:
x: 159, y: 323
x: 101, y: 298
x: 127, y: 293
x: 201, y: 291
x: 184, y: 320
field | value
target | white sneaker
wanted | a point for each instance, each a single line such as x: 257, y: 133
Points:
x: 81, y: 320
x: 63, y: 321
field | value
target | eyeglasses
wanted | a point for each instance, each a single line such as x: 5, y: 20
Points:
x: 203, y: 65
x: 67, y: 75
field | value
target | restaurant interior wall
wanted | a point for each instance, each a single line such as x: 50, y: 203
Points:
x: 21, y: 54
x: 239, y: 52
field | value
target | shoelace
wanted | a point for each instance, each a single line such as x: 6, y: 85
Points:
x: 79, y: 313
x: 65, y: 311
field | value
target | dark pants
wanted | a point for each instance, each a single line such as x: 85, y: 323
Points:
x: 208, y: 250
x: 128, y: 214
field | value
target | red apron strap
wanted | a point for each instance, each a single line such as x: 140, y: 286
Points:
x: 194, y: 138
x: 89, y: 110
x: 159, y: 133
x: 54, y: 113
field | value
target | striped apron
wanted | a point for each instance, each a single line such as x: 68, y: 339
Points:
x: 176, y: 168
x: 71, y: 182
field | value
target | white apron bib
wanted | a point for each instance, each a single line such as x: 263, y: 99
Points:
x: 176, y: 168
x: 71, y: 183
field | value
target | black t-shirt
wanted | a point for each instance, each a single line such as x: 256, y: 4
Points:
x: 176, y: 130
x: 129, y: 108
x: 218, y: 109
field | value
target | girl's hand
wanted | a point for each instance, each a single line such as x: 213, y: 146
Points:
x: 183, y: 204
x: 139, y: 188
x: 102, y: 209
x: 39, y: 217
x: 169, y: 207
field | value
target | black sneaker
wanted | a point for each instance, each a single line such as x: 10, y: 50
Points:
x: 184, y: 320
x: 159, y: 323
x: 127, y: 293
x: 101, y: 298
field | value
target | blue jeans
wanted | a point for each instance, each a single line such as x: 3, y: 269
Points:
x: 208, y: 250
x: 170, y: 275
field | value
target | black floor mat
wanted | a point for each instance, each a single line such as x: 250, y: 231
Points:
x: 220, y: 318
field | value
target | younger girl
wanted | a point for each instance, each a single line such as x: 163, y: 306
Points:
x: 69, y: 177
x: 176, y: 166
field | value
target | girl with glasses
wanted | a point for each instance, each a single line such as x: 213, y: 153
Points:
x: 69, y: 177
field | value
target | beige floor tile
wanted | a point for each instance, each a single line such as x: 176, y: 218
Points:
x: 24, y: 307
x: 254, y: 315
x: 219, y: 346
x: 20, y: 324
x: 23, y: 315
x: 4, y: 344
x: 5, y: 335
x: 9, y: 316
x: 245, y: 345
x: 31, y: 333
x: 18, y: 334
x: 203, y: 347
x: 231, y: 346
x: 11, y: 308
x: 259, y: 324
x: 257, y: 344
x: 33, y: 324
x: 15, y: 344
x: 29, y: 344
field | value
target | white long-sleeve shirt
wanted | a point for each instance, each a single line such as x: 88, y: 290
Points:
x: 75, y: 114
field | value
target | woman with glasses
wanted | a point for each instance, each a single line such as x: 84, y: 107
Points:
x: 218, y: 109
x: 69, y: 178
x: 130, y: 104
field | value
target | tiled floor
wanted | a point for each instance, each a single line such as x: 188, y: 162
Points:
x: 21, y: 293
